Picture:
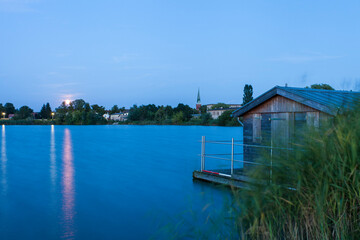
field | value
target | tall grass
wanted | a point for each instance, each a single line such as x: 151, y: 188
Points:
x: 314, y: 192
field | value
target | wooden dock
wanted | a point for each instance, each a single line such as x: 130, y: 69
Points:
x: 223, y: 177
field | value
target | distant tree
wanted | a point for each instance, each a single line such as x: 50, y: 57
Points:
x: 48, y: 110
x: 163, y: 113
x: 45, y: 111
x: 248, y: 94
x: 186, y: 110
x: 62, y: 109
x: 169, y: 111
x: 226, y: 119
x: 79, y: 112
x: 205, y: 118
x: 321, y: 86
x: 87, y: 107
x: 150, y: 111
x: 98, y: 109
x: 24, y: 112
x: 134, y: 113
x: 178, y: 118
x: 220, y: 105
x: 9, y: 109
x: 94, y: 118
x: 115, y: 109
x: 143, y: 113
x: 2, y: 109
x: 78, y: 104
x: 203, y: 109
x: 160, y: 114
x: 70, y: 106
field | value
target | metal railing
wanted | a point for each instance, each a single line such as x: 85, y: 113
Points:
x: 219, y: 155
x: 232, y: 154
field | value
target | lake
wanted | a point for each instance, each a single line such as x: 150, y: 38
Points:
x: 105, y: 182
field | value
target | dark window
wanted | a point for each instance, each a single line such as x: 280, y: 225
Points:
x: 257, y: 128
x: 300, y: 124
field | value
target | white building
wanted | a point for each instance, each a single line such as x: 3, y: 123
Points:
x: 216, y: 113
x: 106, y: 116
x: 209, y: 106
x: 119, y: 117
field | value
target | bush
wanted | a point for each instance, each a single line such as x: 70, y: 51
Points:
x: 226, y: 119
x: 178, y: 118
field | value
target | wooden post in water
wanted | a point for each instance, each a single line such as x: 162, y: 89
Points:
x: 232, y: 156
x: 202, y: 153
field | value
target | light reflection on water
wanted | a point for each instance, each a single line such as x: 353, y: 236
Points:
x: 68, y: 190
x: 52, y: 158
x: 3, y: 161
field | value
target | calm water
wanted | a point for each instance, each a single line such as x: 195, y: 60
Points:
x: 103, y: 182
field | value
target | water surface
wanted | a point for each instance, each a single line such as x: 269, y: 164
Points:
x: 103, y: 182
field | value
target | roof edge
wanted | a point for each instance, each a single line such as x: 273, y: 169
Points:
x: 315, y: 105
x: 281, y: 91
x: 256, y: 102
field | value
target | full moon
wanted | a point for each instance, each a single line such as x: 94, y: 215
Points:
x: 67, y: 102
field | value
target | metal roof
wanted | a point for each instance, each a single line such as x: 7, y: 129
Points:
x: 328, y: 101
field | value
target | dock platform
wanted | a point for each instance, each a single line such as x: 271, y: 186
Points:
x: 223, y: 177
x: 234, y: 172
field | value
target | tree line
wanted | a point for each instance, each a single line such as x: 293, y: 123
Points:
x: 79, y: 112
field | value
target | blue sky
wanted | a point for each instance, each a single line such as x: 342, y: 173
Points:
x: 140, y: 52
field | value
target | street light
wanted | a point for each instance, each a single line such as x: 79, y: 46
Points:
x: 52, y: 115
x: 3, y: 114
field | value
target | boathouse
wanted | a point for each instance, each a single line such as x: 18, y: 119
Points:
x: 272, y: 123
x: 277, y: 117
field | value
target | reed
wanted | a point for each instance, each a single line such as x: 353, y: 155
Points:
x: 314, y: 192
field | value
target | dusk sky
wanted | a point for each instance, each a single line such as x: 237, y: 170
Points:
x: 161, y: 52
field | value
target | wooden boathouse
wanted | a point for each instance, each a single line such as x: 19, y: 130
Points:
x: 274, y: 121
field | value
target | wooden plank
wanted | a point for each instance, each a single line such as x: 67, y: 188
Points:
x: 257, y: 101
x: 208, y: 177
x: 279, y: 104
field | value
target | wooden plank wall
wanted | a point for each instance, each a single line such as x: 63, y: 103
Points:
x: 274, y: 120
x: 279, y: 104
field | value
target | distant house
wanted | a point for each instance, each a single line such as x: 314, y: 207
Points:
x: 279, y: 115
x: 106, y: 116
x: 209, y: 106
x: 11, y: 116
x: 217, y: 112
x: 119, y: 117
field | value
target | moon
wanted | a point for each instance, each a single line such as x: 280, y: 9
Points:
x: 67, y: 102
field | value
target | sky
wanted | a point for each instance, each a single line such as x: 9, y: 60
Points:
x: 161, y: 52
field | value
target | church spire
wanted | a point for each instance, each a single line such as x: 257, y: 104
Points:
x: 198, y: 97
x: 198, y: 103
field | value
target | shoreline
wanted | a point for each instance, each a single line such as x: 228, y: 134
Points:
x: 40, y: 122
x: 110, y: 124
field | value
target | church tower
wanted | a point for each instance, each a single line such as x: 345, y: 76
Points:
x: 198, y: 102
